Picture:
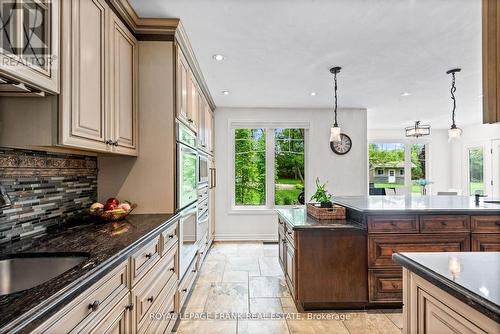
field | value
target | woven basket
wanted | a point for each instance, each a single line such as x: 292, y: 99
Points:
x: 112, y: 216
x: 334, y: 213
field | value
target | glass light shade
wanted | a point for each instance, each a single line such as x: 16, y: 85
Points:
x: 454, y: 133
x: 335, y: 134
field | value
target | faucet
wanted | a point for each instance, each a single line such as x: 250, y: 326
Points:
x: 4, y: 199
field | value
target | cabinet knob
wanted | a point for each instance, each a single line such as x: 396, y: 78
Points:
x: 115, y: 143
x: 150, y: 299
x: 149, y: 255
x: 184, y: 290
x: 94, y: 306
x: 109, y: 142
x: 289, y: 233
x: 172, y: 270
x: 444, y: 223
x: 193, y: 271
x: 170, y: 236
x: 190, y: 121
x: 129, y: 307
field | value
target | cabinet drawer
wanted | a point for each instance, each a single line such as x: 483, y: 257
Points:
x: 485, y: 224
x: 393, y: 224
x: 488, y: 242
x: 385, y: 285
x: 169, y: 238
x: 91, y: 306
x: 381, y: 247
x: 281, y: 226
x: 444, y: 223
x: 203, y: 250
x: 148, y: 290
x: 163, y: 309
x: 143, y: 260
x: 290, y: 235
x: 186, y: 284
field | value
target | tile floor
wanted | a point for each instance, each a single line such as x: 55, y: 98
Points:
x: 245, y: 277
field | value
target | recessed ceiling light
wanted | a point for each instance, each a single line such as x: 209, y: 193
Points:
x: 225, y: 92
x: 313, y: 93
x: 219, y: 57
x: 405, y: 94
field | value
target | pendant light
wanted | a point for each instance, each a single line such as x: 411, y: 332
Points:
x: 454, y: 132
x: 335, y: 130
x: 418, y: 130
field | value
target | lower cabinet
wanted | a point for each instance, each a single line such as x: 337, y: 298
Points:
x: 429, y: 309
x: 290, y: 268
x: 385, y: 285
x: 485, y: 242
x: 138, y: 296
x: 117, y: 321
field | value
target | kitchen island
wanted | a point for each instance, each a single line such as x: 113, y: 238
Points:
x: 380, y: 226
x: 450, y: 292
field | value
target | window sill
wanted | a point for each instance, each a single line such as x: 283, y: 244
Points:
x: 251, y: 211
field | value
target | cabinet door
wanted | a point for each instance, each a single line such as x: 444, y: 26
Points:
x: 123, y: 63
x: 117, y: 321
x: 281, y: 245
x: 83, y: 103
x: 193, y: 117
x: 290, y: 267
x: 212, y: 133
x: 485, y: 242
x: 211, y: 199
x: 32, y: 59
x: 201, y: 118
x: 208, y: 128
x: 182, y: 87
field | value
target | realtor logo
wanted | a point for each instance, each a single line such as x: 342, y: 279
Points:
x: 25, y: 31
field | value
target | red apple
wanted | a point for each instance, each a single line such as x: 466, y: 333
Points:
x: 113, y: 200
x: 110, y: 206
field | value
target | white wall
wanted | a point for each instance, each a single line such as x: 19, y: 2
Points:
x: 346, y: 175
x: 440, y: 154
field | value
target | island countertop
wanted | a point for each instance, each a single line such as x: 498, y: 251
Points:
x: 298, y: 219
x: 416, y: 204
x: 471, y: 277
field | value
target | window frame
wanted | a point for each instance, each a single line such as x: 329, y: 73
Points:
x: 268, y: 127
x: 408, y: 143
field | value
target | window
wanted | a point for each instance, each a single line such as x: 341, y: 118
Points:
x: 418, y: 166
x: 250, y: 167
x: 269, y: 166
x: 476, y: 171
x: 392, y: 162
x: 384, y: 156
x: 289, y: 166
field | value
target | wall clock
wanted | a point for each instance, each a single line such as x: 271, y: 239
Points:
x: 343, y: 146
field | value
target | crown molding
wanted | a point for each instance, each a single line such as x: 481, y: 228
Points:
x: 165, y: 29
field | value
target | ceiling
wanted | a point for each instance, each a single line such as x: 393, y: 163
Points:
x: 279, y: 51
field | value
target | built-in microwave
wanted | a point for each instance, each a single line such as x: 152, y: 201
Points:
x: 203, y: 170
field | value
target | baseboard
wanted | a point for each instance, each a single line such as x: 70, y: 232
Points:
x: 246, y: 237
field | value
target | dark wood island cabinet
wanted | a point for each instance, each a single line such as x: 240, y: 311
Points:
x: 348, y: 264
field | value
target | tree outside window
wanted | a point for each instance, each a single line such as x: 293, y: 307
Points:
x: 289, y: 166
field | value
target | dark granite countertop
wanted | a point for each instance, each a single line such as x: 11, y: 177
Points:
x: 298, y: 219
x: 416, y: 204
x: 472, y: 277
x: 107, y: 246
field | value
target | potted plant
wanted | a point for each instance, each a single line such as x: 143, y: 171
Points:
x: 322, y: 196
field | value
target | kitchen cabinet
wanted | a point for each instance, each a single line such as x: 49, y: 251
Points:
x: 491, y: 61
x: 430, y: 309
x: 98, y: 101
x: 187, y: 104
x: 211, y: 199
x: 485, y: 233
x: 31, y: 62
x: 117, y: 321
x: 124, y: 102
x: 290, y: 267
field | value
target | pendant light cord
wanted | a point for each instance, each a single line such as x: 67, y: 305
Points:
x: 453, y: 90
x: 335, y: 94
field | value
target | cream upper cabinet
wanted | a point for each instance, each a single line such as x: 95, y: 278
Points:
x: 182, y: 87
x: 98, y: 101
x: 32, y: 59
x: 201, y: 117
x: 84, y: 108
x: 124, y: 70
x: 209, y: 130
x: 193, y: 105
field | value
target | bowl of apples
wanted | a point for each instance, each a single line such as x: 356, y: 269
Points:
x: 113, y: 210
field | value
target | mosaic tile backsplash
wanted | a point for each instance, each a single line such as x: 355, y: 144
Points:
x: 44, y: 189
